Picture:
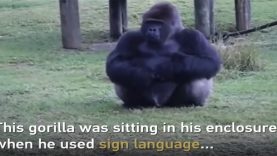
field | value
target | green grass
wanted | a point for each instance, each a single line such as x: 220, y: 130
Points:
x: 40, y: 83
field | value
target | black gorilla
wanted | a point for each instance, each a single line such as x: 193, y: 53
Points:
x: 163, y: 64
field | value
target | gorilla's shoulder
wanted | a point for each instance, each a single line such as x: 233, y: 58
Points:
x: 131, y: 36
x: 129, y: 41
x: 192, y: 33
x: 189, y: 35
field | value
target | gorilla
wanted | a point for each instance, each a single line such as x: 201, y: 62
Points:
x: 163, y: 64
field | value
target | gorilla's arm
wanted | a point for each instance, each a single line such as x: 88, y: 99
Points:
x: 122, y: 67
x: 198, y: 58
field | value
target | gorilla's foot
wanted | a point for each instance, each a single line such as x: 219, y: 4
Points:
x: 161, y: 92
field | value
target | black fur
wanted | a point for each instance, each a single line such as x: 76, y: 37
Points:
x: 147, y: 75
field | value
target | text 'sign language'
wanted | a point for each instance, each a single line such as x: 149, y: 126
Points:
x: 37, y: 136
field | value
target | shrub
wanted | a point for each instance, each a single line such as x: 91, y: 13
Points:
x: 239, y: 60
x: 241, y: 57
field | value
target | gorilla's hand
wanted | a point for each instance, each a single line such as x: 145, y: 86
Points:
x: 177, y: 57
x: 158, y: 77
x: 144, y: 78
x: 171, y: 65
x: 149, y: 66
x: 163, y: 69
x: 145, y: 71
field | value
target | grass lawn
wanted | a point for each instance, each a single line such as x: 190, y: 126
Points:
x: 41, y: 83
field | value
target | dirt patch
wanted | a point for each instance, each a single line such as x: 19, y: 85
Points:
x: 100, y: 47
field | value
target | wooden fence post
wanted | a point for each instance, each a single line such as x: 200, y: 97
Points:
x: 115, y: 18
x: 70, y: 24
x: 204, y: 20
x: 243, y: 14
x: 118, y: 17
x: 212, y: 19
x: 124, y: 13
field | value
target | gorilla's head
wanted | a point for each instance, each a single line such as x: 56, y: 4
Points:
x: 160, y: 22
